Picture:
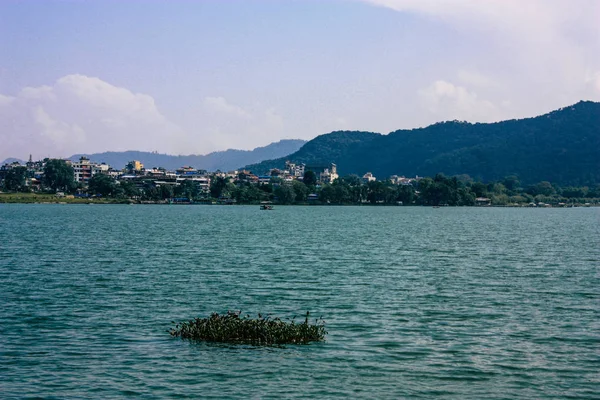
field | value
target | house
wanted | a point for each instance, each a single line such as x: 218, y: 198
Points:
x: 264, y: 179
x: 134, y: 166
x: 295, y: 170
x: 483, y: 201
x: 368, y: 177
x: 324, y: 173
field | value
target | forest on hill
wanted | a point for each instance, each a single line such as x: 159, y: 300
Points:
x: 562, y: 147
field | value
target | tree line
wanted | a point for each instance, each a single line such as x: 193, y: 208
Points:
x: 439, y: 190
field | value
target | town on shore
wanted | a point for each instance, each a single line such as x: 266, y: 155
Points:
x: 85, y: 181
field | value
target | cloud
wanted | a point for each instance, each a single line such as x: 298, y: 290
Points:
x: 448, y: 101
x: 550, y: 44
x: 221, y: 105
x: 592, y: 79
x: 5, y: 100
x: 228, y: 125
x: 540, y: 18
x: 83, y: 114
x: 477, y: 79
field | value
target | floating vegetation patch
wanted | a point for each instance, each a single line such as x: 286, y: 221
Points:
x: 234, y: 328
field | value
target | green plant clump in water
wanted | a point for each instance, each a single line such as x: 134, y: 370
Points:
x: 231, y: 328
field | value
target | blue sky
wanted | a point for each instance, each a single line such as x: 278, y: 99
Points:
x: 197, y: 76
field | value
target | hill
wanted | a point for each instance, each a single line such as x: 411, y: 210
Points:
x: 220, y: 160
x: 562, y: 146
x: 12, y: 160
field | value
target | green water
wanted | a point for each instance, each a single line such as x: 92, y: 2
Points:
x: 464, y: 303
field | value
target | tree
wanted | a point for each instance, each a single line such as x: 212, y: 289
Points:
x: 300, y: 190
x: 310, y: 178
x: 544, y: 188
x: 246, y: 193
x: 101, y: 184
x: 188, y: 189
x: 327, y: 194
x: 285, y: 194
x: 406, y: 194
x: 511, y: 182
x: 352, y: 180
x: 217, y: 186
x: 377, y: 192
x: 59, y: 176
x: 165, y: 191
x: 150, y: 191
x: 15, y: 179
x: 480, y: 189
x: 127, y: 189
x: 342, y: 193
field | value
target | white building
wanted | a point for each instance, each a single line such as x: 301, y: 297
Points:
x: 368, y: 177
x: 295, y: 170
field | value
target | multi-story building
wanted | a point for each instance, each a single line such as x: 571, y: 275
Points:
x: 295, y: 170
x: 198, y: 177
x: 134, y: 166
x: 325, y: 173
x: 83, y: 169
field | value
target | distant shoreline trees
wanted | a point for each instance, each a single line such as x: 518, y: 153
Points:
x: 439, y: 190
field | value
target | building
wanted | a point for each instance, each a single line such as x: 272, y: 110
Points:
x: 295, y: 170
x: 134, y: 166
x: 401, y: 180
x: 83, y: 169
x: 325, y: 173
x: 190, y: 174
x: 202, y: 181
x: 185, y: 170
x: 368, y: 177
x: 483, y: 201
x: 264, y: 179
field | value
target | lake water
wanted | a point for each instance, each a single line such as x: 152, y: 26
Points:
x: 465, y: 303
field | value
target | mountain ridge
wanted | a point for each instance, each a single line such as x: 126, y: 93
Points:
x: 561, y: 146
x: 219, y: 160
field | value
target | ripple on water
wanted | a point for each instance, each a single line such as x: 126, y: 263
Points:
x: 419, y: 303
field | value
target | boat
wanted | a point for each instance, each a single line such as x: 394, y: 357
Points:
x: 266, y: 207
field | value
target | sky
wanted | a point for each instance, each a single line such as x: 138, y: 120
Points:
x: 191, y: 77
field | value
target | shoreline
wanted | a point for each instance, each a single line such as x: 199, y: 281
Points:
x: 36, y: 198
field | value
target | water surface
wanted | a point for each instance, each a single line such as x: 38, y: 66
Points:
x: 463, y: 303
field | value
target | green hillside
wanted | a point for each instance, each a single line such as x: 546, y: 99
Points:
x: 562, y: 146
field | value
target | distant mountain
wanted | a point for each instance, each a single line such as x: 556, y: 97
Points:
x: 562, y: 146
x: 220, y: 160
x: 12, y: 160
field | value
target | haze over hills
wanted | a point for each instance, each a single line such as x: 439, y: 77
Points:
x: 562, y: 146
x: 219, y: 160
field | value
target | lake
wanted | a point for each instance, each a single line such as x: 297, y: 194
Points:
x: 464, y: 303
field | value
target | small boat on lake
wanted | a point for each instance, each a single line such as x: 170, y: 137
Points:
x: 266, y: 205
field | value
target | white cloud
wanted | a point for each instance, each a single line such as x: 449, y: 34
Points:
x: 591, y: 78
x: 228, y: 125
x: 83, y: 114
x: 540, y: 18
x: 477, y: 79
x: 448, y: 101
x: 5, y: 100
x: 549, y: 44
x: 221, y: 105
